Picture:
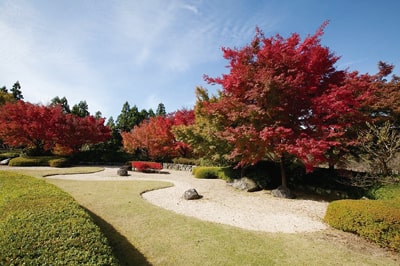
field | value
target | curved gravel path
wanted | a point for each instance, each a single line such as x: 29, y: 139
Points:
x: 224, y: 204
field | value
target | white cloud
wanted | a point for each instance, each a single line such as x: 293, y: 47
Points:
x: 110, y: 52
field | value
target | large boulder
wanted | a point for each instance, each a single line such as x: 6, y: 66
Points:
x: 246, y: 184
x: 283, y: 192
x: 191, y: 194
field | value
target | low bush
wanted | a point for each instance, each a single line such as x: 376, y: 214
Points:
x: 6, y: 155
x: 376, y: 220
x: 211, y: 172
x: 187, y: 161
x: 60, y: 162
x: 389, y: 192
x: 42, y: 225
x: 32, y: 161
x: 146, y: 166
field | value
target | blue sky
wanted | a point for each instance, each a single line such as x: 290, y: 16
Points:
x: 151, y: 51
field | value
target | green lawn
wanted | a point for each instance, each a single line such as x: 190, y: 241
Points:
x: 143, y: 234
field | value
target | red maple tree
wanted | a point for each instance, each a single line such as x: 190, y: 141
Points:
x: 285, y: 96
x: 155, y: 138
x: 43, y: 128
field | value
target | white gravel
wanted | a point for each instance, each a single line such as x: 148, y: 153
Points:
x: 221, y: 203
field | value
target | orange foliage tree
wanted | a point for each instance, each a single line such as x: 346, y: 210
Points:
x: 154, y: 137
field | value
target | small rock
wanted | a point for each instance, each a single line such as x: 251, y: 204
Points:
x: 122, y: 172
x: 282, y: 192
x: 191, y: 194
x: 246, y: 184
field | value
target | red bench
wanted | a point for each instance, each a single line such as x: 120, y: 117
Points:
x: 146, y: 166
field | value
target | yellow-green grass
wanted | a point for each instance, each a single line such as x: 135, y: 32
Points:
x: 40, y: 172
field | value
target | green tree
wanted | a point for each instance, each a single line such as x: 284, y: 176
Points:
x: 98, y: 115
x: 202, y: 136
x: 16, y: 91
x: 161, y: 110
x: 81, y: 109
x: 130, y: 117
x: 148, y: 114
x: 61, y: 101
x: 4, y: 89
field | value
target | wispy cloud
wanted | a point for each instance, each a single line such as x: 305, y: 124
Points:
x: 110, y: 52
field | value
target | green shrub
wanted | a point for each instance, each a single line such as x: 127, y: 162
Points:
x: 387, y: 192
x: 42, y: 225
x: 32, y: 161
x: 187, y: 161
x: 225, y: 173
x: 60, y: 162
x: 376, y: 220
x: 6, y: 155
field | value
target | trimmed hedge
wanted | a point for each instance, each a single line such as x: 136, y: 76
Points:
x: 60, y: 162
x: 211, y: 172
x: 7, y: 155
x: 376, y: 220
x: 146, y: 166
x: 33, y: 161
x: 42, y: 225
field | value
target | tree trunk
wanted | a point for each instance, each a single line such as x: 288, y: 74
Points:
x: 283, y: 174
x: 331, y: 166
x: 385, y: 168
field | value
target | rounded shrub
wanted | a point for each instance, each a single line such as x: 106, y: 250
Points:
x: 211, y: 172
x: 203, y: 172
x: 376, y: 220
x: 31, y: 161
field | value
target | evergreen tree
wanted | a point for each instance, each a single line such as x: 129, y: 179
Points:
x: 98, y: 115
x: 63, y: 102
x: 161, y: 110
x: 81, y: 109
x: 16, y: 91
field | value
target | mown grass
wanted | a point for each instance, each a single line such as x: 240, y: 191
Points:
x: 40, y: 172
x: 42, y: 225
x: 161, y: 237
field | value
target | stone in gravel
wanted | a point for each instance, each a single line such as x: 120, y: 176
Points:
x: 246, y: 184
x: 282, y: 192
x: 122, y: 172
x: 5, y: 161
x: 191, y: 194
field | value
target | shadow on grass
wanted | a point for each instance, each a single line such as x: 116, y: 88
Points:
x: 125, y: 252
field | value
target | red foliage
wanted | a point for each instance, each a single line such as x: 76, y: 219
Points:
x: 147, y: 166
x: 183, y: 117
x: 284, y: 96
x: 155, y: 137
x: 45, y: 128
